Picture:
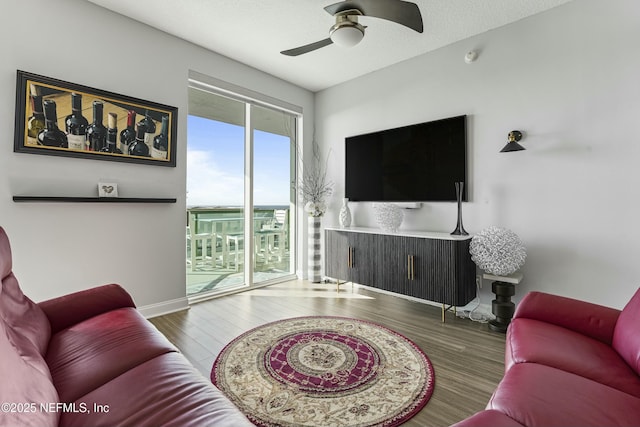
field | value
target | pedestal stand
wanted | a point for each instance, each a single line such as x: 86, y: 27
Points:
x: 502, y: 307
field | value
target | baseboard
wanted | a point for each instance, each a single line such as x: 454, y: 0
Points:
x: 166, y: 307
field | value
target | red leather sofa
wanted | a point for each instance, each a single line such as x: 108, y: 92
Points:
x: 568, y: 363
x: 90, y: 359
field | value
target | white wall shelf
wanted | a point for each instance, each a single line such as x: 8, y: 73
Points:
x: 64, y: 199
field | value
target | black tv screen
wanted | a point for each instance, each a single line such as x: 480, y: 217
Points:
x: 416, y: 163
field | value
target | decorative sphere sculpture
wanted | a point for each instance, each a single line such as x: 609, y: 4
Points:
x: 497, y: 251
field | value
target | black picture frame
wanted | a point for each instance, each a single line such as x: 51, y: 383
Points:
x: 32, y: 88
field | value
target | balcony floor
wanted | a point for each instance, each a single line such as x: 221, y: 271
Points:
x: 204, y: 277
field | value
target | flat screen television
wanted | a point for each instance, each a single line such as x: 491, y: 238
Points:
x: 416, y: 163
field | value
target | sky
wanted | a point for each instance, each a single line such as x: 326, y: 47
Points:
x: 215, y: 165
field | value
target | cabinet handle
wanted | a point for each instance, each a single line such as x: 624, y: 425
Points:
x: 353, y: 252
x: 350, y: 257
x: 413, y: 267
x: 409, y: 267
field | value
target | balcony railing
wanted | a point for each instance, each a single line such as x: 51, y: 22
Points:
x: 216, y: 246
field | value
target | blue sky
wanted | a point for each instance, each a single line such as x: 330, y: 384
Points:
x: 215, y: 165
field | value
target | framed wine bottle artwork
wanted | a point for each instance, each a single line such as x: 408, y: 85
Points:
x: 59, y: 118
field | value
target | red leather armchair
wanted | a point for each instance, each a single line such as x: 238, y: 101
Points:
x: 568, y: 363
x: 90, y: 359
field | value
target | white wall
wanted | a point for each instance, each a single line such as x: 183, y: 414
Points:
x: 60, y: 248
x: 570, y: 80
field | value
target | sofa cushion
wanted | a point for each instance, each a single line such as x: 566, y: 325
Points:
x: 19, y: 312
x: 538, y: 395
x: 547, y: 344
x: 592, y: 320
x: 24, y: 387
x: 24, y: 334
x: 91, y: 353
x: 67, y: 310
x: 5, y: 254
x: 167, y: 391
x: 626, y: 339
x: 22, y: 328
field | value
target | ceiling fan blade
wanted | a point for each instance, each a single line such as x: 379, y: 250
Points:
x: 307, y: 48
x: 401, y: 12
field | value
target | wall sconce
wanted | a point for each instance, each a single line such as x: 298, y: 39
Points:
x: 512, y: 145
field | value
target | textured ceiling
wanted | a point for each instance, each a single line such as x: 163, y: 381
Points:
x: 255, y: 31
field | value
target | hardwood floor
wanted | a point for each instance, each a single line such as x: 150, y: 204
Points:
x: 468, y: 359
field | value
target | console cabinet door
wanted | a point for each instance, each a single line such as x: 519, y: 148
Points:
x: 349, y: 256
x: 444, y: 272
x: 337, y: 254
x: 410, y: 271
x: 398, y: 264
x: 437, y: 270
x: 362, y: 265
x: 463, y: 274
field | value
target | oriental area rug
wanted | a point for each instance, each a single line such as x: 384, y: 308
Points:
x: 324, y: 371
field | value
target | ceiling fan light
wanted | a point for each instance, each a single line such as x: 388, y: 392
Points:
x: 347, y: 36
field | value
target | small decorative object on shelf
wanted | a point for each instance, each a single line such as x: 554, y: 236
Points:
x: 107, y: 189
x: 389, y: 216
x: 500, y: 253
x: 345, y: 214
x: 459, y: 231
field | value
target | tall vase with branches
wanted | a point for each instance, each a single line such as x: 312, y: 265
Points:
x: 314, y: 189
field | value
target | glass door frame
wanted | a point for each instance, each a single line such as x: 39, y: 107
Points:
x: 250, y: 99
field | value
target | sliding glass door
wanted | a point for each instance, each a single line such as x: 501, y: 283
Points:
x: 240, y: 166
x: 273, y: 194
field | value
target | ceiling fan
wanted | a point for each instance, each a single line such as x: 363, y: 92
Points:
x: 348, y: 32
